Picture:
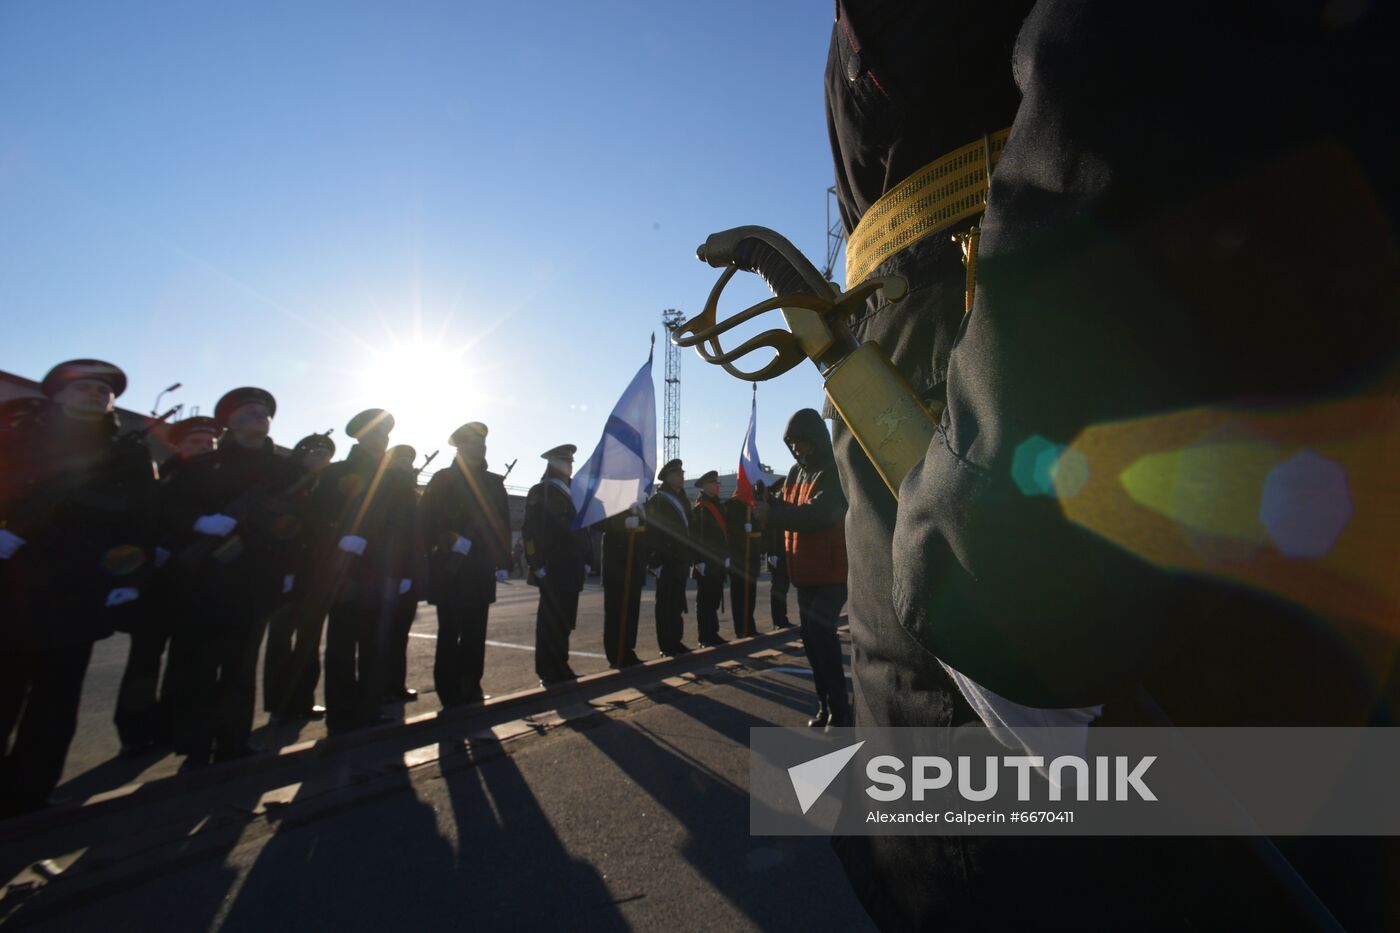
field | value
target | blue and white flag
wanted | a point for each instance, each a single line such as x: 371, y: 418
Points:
x: 622, y: 470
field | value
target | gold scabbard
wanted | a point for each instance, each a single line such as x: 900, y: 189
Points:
x: 883, y: 412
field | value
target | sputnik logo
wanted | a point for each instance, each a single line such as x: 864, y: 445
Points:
x: 811, y: 778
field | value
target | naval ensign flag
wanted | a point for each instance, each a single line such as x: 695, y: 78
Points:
x: 750, y: 470
x: 622, y: 469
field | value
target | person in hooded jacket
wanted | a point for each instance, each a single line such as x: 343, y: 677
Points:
x: 811, y: 514
x: 76, y: 540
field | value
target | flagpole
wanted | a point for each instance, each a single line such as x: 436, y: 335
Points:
x: 626, y: 598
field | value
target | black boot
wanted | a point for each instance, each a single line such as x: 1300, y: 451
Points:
x: 821, y: 719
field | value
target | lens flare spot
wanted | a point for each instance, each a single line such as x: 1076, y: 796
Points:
x: 1306, y: 505
x: 1031, y: 464
x: 351, y: 484
x: 122, y: 560
x: 1209, y: 489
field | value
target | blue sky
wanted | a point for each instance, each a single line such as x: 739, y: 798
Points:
x: 460, y: 211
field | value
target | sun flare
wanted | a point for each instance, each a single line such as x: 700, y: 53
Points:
x: 428, y: 387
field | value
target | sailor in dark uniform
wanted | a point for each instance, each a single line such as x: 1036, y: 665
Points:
x: 363, y: 514
x: 76, y: 538
x: 292, y: 660
x: 396, y: 688
x: 668, y: 515
x: 559, y: 557
x: 465, y: 517
x: 709, y: 537
x: 625, y: 558
x: 144, y: 703
x: 776, y: 556
x: 745, y: 546
x: 224, y: 513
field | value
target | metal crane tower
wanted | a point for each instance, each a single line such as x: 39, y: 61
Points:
x: 835, y: 234
x: 671, y: 422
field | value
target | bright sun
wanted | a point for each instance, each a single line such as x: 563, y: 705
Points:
x: 426, y: 386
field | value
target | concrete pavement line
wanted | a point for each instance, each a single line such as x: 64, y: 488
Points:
x: 804, y: 671
x: 506, y: 644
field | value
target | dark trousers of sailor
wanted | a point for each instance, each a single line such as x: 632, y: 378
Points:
x: 223, y: 670
x: 40, y: 689
x: 743, y: 597
x: 670, y: 608
x: 292, y: 661
x: 819, y: 612
x: 396, y: 650
x: 357, y: 635
x: 620, y: 615
x: 554, y: 620
x: 709, y: 598
x: 140, y: 717
x: 778, y: 596
x: 461, y: 647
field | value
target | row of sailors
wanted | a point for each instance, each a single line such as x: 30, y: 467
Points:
x: 231, y: 542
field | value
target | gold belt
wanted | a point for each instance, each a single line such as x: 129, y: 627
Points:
x: 947, y: 190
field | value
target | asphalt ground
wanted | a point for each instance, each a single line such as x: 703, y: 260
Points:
x: 93, y: 766
x: 593, y: 811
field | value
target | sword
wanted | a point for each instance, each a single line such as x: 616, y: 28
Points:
x: 883, y: 412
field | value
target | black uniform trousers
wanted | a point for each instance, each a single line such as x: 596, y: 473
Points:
x: 357, y: 637
x: 709, y: 598
x: 778, y: 594
x: 292, y: 661
x: 40, y: 689
x: 554, y: 620
x: 461, y: 647
x: 396, y: 651
x: 141, y: 717
x: 743, y: 597
x: 671, y: 607
x: 223, y: 668
x: 819, y: 612
x: 622, y: 607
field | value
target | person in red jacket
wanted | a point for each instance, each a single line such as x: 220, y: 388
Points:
x: 811, y: 514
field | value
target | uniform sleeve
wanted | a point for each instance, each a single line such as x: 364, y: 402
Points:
x: 1149, y: 245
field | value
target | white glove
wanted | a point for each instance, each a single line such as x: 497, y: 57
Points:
x: 726, y: 563
x: 462, y: 546
x: 353, y: 544
x: 9, y: 543
x: 502, y: 576
x: 288, y: 582
x: 631, y: 522
x: 773, y: 560
x: 162, y: 556
x: 700, y: 568
x: 587, y: 570
x: 405, y: 585
x: 125, y: 594
x: 539, y: 574
x: 215, y: 526
x: 748, y: 527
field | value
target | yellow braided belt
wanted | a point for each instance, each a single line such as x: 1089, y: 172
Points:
x: 949, y: 189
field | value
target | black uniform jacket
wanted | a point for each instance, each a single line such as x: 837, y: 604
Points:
x: 616, y: 536
x: 363, y: 496
x: 83, y: 499
x: 254, y: 486
x: 668, y: 517
x: 467, y: 502
x: 709, y: 534
x: 551, y: 541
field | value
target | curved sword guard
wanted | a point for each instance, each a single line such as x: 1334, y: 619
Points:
x: 817, y: 319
